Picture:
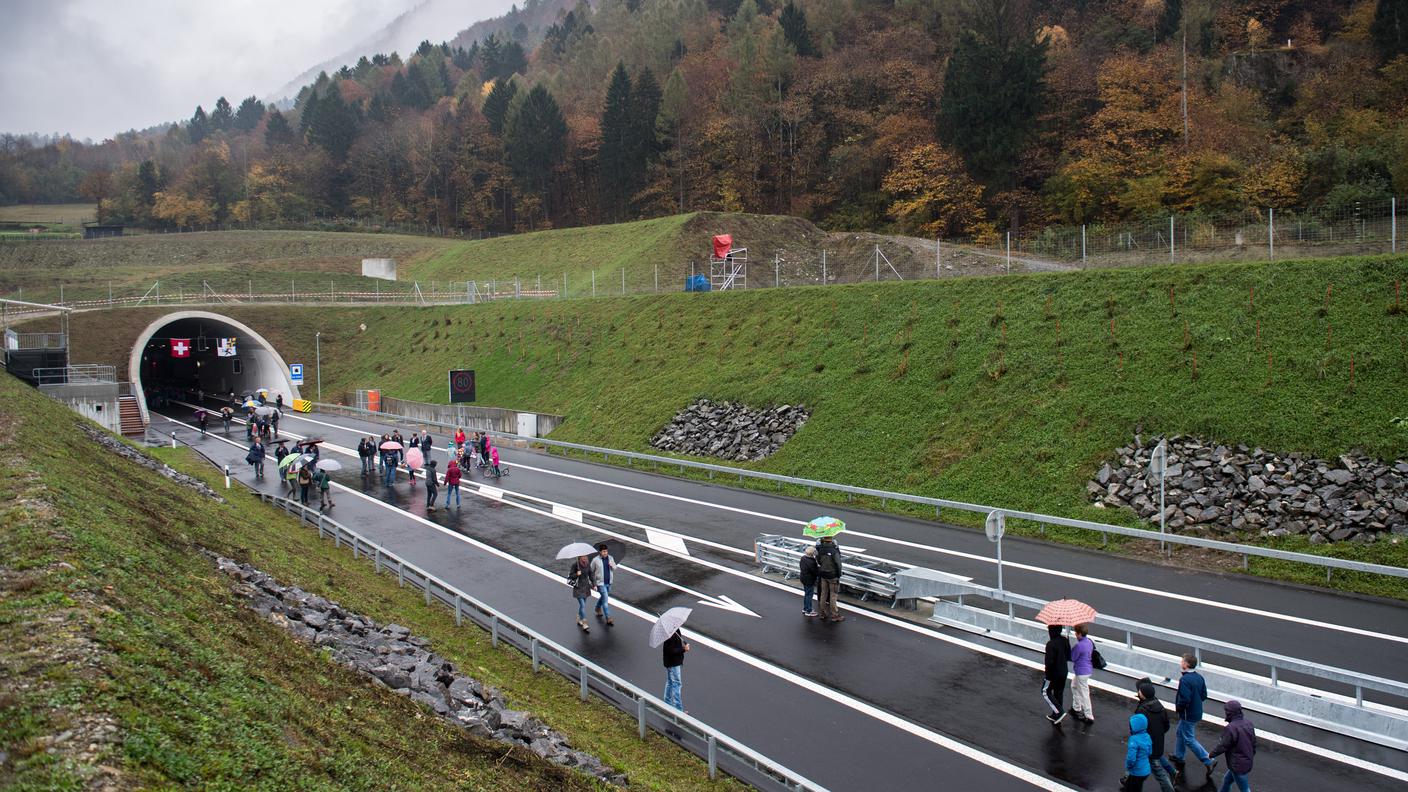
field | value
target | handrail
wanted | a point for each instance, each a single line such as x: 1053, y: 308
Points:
x: 1328, y: 562
x: 1197, y: 642
x: 714, y: 739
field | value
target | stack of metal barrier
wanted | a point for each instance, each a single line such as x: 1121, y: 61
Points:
x: 776, y: 553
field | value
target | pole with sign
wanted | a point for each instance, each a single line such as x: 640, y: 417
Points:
x: 295, y: 373
x: 1158, y: 462
x: 995, y: 527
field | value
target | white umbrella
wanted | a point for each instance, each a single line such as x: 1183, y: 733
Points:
x: 669, y: 622
x: 265, y: 410
x: 576, y: 549
x: 329, y: 464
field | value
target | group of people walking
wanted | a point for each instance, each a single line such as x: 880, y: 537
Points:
x: 387, y: 455
x: 1144, y: 749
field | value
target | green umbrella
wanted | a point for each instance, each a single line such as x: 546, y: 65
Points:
x: 823, y: 526
x: 289, y: 460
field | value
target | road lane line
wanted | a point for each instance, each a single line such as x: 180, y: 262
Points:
x: 849, y: 701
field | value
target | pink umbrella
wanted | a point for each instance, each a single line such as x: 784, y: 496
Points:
x: 414, y: 459
x: 1066, y: 612
x: 390, y: 445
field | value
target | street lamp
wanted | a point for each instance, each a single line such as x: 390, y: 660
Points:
x: 318, y: 362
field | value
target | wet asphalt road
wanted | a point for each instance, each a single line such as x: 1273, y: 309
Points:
x: 941, y: 685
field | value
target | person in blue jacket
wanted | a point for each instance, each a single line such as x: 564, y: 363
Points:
x: 1192, y: 692
x: 1136, y: 754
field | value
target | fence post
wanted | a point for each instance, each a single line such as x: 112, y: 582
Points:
x: 877, y: 262
x: 1170, y: 239
x: 564, y: 285
x: 1271, y: 233
x: 776, y: 272
x: 1009, y: 252
x: 593, y: 283
x: 623, y: 280
x: 823, y: 267
x: 1392, y: 226
x: 1082, y: 244
x: 657, y: 278
x: 938, y: 257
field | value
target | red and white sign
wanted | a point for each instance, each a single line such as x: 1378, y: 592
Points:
x: 181, y: 347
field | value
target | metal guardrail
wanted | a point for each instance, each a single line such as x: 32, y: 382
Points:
x: 82, y: 374
x: 1276, y: 663
x: 744, y: 763
x: 776, y: 553
x: 1330, y: 563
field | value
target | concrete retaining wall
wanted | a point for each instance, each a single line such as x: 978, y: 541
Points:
x: 484, y: 419
x: 383, y: 268
x: 97, y: 402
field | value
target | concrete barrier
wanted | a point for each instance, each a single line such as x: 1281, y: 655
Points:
x: 482, y: 419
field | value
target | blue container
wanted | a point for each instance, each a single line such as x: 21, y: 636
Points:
x: 696, y: 283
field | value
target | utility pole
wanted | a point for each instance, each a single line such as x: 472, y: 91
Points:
x: 318, y: 362
x: 1184, y: 101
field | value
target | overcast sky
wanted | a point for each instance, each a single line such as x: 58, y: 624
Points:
x: 92, y: 68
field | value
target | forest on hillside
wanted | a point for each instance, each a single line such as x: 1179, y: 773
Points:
x: 919, y: 116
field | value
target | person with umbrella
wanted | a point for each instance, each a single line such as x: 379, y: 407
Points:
x: 1083, y: 664
x: 274, y: 422
x: 202, y: 418
x: 807, y: 574
x: 665, y: 633
x: 602, y: 566
x: 828, y: 561
x: 1056, y: 615
x: 389, y: 451
x: 580, y: 578
x: 305, y: 480
x: 289, y: 464
x: 324, y: 481
x: 256, y: 458
x: 226, y: 415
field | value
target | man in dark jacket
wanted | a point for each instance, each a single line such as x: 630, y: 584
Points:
x: 807, y: 575
x: 1153, y: 711
x: 673, y: 650
x: 1058, y: 660
x: 1192, y: 692
x: 1239, y: 744
x: 828, y: 560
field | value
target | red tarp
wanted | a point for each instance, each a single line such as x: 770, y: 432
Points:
x: 723, y: 243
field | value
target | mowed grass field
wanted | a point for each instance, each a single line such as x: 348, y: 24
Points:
x: 126, y: 662
x: 229, y: 261
x: 1009, y: 391
x: 49, y: 214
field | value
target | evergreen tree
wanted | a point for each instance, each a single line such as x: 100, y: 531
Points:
x: 424, y: 48
x: 364, y: 67
x: 307, y: 111
x: 616, y: 156
x: 278, y: 132
x: 496, y: 105
x: 992, y: 92
x: 334, y: 126
x: 1390, y: 28
x: 149, y: 182
x: 514, y: 60
x: 645, y: 106
x: 490, y: 57
x: 199, y: 126
x: 223, y: 118
x: 379, y: 108
x: 794, y: 27
x: 535, y: 138
x: 1170, y: 21
x: 250, y: 112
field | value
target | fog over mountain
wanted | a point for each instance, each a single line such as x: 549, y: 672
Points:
x: 92, y: 68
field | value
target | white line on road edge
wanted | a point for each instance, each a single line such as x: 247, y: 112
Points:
x: 865, y: 708
x: 857, y: 704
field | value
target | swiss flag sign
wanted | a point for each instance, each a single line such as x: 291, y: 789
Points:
x: 180, y: 347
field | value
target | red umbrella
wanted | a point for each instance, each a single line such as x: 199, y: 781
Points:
x: 1067, y: 612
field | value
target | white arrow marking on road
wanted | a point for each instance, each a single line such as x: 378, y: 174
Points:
x: 667, y: 541
x: 722, y: 602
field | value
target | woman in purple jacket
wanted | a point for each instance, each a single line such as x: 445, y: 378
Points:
x: 1082, y: 667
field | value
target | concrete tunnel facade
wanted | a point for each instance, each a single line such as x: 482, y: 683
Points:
x: 256, y: 364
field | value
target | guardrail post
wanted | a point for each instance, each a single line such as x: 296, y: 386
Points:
x: 400, y: 573
x: 1274, y: 681
x: 355, y: 541
x: 533, y: 651
x: 494, y: 631
x: 713, y: 758
x: 459, y: 617
x: 1128, y: 640
x: 1358, y: 695
x: 425, y: 580
x: 377, y: 560
x: 585, y: 676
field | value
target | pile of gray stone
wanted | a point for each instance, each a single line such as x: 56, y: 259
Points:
x: 1217, y: 489
x: 128, y: 452
x: 402, y: 662
x: 731, y: 431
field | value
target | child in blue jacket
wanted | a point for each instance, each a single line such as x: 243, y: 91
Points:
x: 1137, y: 753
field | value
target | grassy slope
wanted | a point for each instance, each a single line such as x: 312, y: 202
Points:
x: 637, y: 247
x: 1000, y: 390
x: 228, y: 260
x: 106, y: 607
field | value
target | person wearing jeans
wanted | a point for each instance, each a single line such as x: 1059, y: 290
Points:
x: 602, y: 566
x: 1192, y: 692
x: 1238, y: 744
x: 674, y: 649
x: 452, y: 483
x: 808, y: 574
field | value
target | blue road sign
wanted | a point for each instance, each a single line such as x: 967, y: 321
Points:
x: 295, y: 373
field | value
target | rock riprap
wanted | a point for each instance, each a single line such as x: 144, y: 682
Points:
x: 731, y: 431
x: 394, y: 658
x: 1220, y: 489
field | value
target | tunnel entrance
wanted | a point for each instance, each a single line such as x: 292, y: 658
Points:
x: 184, y: 354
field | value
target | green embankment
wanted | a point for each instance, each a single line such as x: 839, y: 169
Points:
x: 125, y: 657
x: 228, y: 261
x: 1008, y: 391
x: 643, y: 249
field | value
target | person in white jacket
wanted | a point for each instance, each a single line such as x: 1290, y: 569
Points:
x: 603, y: 565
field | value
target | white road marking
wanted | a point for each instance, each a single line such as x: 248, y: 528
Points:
x: 567, y: 512
x: 856, y: 704
x: 665, y: 540
x: 721, y: 602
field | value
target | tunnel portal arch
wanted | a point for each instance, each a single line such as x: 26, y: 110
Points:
x: 256, y: 363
